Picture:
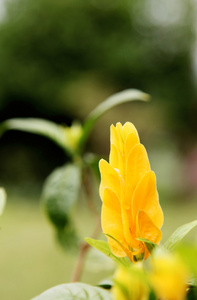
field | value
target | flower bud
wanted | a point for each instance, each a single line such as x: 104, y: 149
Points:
x: 131, y: 284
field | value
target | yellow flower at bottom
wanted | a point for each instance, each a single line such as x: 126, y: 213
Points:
x: 131, y: 208
x: 130, y: 284
x: 169, y: 276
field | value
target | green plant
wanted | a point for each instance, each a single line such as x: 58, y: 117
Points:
x: 131, y: 226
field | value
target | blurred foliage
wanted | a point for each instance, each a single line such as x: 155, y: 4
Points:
x: 60, y: 58
x: 45, y: 46
x: 64, y: 185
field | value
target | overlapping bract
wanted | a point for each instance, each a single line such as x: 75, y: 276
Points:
x: 131, y: 208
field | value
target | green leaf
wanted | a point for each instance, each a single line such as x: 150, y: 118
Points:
x: 75, y: 291
x: 2, y: 200
x: 67, y: 237
x: 51, y: 130
x: 188, y: 253
x: 104, y: 248
x: 179, y: 234
x: 116, y: 99
x: 192, y: 293
x: 59, y: 196
x: 149, y: 245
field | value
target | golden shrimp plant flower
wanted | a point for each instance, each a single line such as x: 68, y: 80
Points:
x: 130, y: 208
x: 169, y: 276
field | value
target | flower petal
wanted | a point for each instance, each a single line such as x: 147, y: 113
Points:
x: 131, y: 140
x: 116, y: 160
x: 146, y: 198
x: 137, y: 165
x: 109, y: 179
x: 158, y: 217
x: 116, y: 136
x: 111, y: 220
x: 114, y: 157
x: 147, y: 230
x: 128, y: 128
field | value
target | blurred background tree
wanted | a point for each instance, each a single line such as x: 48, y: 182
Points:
x: 60, y: 58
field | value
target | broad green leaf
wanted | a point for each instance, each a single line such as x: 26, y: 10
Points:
x: 37, y: 126
x: 104, y: 248
x: 2, y: 200
x: 116, y: 99
x: 179, y: 234
x: 75, y: 291
x: 60, y: 194
x: 149, y: 245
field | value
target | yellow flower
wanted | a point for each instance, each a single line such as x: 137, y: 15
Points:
x: 131, y: 208
x: 72, y: 135
x: 131, y: 284
x: 169, y: 276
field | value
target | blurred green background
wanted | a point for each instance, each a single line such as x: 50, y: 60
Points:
x: 58, y: 60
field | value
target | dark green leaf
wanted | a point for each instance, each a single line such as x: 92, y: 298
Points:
x: 152, y: 295
x: 67, y: 237
x: 60, y: 194
x: 75, y: 291
x: 104, y: 248
x: 38, y: 126
x: 192, y: 293
x: 179, y: 234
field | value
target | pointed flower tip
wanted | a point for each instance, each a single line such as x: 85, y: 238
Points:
x: 101, y: 162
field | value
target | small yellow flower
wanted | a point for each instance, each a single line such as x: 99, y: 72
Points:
x: 131, y: 208
x: 130, y: 284
x: 169, y: 276
x: 73, y: 135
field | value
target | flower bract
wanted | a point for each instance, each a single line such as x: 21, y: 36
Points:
x: 130, y: 208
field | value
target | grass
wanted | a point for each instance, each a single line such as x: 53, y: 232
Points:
x: 31, y: 261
